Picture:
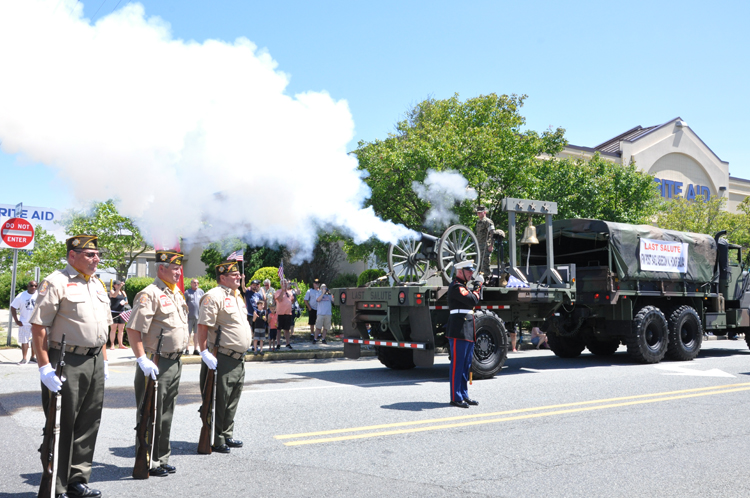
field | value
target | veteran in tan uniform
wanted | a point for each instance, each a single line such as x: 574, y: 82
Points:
x: 75, y: 303
x: 160, y: 310
x: 224, y: 307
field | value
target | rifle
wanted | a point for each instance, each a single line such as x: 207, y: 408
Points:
x: 146, y: 426
x: 208, y: 408
x: 51, y: 441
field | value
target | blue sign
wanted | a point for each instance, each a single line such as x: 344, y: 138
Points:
x: 671, y: 189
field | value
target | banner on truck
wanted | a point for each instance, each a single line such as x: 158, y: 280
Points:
x: 665, y: 256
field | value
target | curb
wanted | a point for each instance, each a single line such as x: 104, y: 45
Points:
x: 280, y: 356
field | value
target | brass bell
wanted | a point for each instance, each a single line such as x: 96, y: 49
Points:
x: 529, y: 235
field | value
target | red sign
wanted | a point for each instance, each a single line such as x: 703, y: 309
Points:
x: 17, y: 233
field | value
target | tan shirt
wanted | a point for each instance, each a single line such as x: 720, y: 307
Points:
x: 69, y: 305
x: 222, y: 307
x: 157, y: 308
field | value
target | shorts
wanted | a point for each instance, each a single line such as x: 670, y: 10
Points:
x: 535, y: 340
x: 323, y: 322
x: 192, y: 326
x: 24, y: 334
x: 272, y: 334
x: 259, y: 333
x: 285, y: 322
x: 313, y: 316
x: 116, y: 318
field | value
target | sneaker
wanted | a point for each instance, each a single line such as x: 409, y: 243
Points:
x: 324, y: 341
x: 314, y: 341
x: 196, y: 352
x: 33, y: 360
x: 23, y: 362
x: 289, y: 346
x: 278, y: 346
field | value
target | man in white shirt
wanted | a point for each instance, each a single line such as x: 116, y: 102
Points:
x: 24, y: 304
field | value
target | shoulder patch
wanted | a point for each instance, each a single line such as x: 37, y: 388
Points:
x: 206, y: 300
x: 144, y: 299
x: 463, y: 290
x: 43, y: 288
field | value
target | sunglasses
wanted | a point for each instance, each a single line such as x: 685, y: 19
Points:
x: 90, y: 254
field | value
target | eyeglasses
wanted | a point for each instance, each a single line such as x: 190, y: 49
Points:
x: 90, y: 254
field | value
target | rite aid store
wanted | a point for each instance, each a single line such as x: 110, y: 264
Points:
x: 682, y: 164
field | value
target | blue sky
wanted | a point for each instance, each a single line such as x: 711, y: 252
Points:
x: 593, y: 68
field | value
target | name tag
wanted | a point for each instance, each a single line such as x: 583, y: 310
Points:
x: 74, y: 290
x: 165, y: 301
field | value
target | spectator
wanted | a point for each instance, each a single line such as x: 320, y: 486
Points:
x: 193, y: 298
x: 284, y: 298
x: 260, y: 324
x: 118, y: 302
x: 539, y: 338
x: 273, y: 324
x: 252, y: 296
x: 311, y: 303
x: 25, y: 302
x: 323, y: 321
x: 268, y: 292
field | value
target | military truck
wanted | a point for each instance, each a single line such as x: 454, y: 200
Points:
x: 594, y: 284
x: 655, y: 291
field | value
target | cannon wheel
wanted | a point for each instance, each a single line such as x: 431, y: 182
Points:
x: 457, y: 244
x: 405, y: 262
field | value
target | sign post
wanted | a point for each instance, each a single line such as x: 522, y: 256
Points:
x: 16, y: 233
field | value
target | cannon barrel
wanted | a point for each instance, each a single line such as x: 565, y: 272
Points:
x: 428, y: 243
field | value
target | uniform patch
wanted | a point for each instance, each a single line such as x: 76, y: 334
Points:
x: 74, y: 289
x: 206, y: 300
x: 228, y: 302
x: 164, y: 300
x: 144, y: 299
x: 43, y: 289
x: 463, y: 291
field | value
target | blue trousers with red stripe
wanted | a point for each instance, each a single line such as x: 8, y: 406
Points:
x: 461, y: 354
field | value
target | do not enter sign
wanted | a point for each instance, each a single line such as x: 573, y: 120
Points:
x: 17, y: 233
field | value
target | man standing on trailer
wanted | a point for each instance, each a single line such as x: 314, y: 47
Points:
x: 461, y: 332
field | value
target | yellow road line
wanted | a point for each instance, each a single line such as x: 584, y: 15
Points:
x: 638, y: 400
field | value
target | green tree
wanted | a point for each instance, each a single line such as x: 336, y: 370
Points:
x: 120, y: 240
x: 48, y: 254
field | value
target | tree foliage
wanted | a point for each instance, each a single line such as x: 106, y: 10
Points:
x: 120, y: 241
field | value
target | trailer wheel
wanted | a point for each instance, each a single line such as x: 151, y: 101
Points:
x: 603, y: 348
x: 396, y: 358
x: 647, y: 342
x: 565, y: 347
x: 685, y: 334
x: 490, y: 346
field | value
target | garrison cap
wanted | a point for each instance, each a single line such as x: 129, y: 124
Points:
x: 80, y: 242
x: 465, y: 265
x: 481, y: 208
x: 172, y: 257
x: 226, y: 267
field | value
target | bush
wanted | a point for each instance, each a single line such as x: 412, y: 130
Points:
x: 369, y: 276
x: 205, y: 283
x: 344, y: 280
x: 267, y: 272
x: 22, y: 280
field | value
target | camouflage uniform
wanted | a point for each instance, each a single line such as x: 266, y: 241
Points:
x: 484, y: 231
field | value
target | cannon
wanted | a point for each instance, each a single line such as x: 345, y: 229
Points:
x: 409, y: 260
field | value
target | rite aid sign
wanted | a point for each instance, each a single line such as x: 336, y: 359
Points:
x: 17, y: 233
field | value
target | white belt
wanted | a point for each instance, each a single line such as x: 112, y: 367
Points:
x: 468, y: 312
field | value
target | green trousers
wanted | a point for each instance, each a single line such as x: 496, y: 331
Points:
x: 231, y: 378
x: 166, y: 396
x: 80, y: 414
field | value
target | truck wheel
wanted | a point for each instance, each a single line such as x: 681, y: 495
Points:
x: 685, y: 334
x: 648, y: 340
x: 490, y: 346
x: 603, y: 348
x: 565, y: 347
x: 396, y: 358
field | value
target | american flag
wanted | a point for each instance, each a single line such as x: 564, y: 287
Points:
x: 281, y: 271
x: 236, y: 256
x: 125, y: 315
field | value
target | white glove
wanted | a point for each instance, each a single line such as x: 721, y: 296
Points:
x: 148, y: 367
x: 106, y: 371
x: 479, y: 279
x: 209, y: 359
x: 49, y: 379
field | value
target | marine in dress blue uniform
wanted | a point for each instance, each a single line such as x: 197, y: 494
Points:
x: 461, y: 332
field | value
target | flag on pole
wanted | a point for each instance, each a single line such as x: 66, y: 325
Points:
x: 236, y: 256
x: 281, y: 271
x: 125, y: 315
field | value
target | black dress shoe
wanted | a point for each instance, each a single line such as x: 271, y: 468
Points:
x: 158, y: 472
x: 472, y: 402
x: 459, y: 404
x: 234, y: 443
x: 169, y: 468
x: 221, y: 449
x: 81, y: 489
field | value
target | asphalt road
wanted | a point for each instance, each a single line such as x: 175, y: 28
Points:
x: 545, y: 427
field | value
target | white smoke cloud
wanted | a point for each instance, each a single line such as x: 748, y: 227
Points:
x: 197, y: 140
x: 442, y: 189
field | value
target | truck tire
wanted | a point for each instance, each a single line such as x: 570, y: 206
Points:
x: 396, y: 358
x: 685, y: 334
x: 565, y: 347
x: 647, y: 342
x: 490, y: 346
x: 603, y: 348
